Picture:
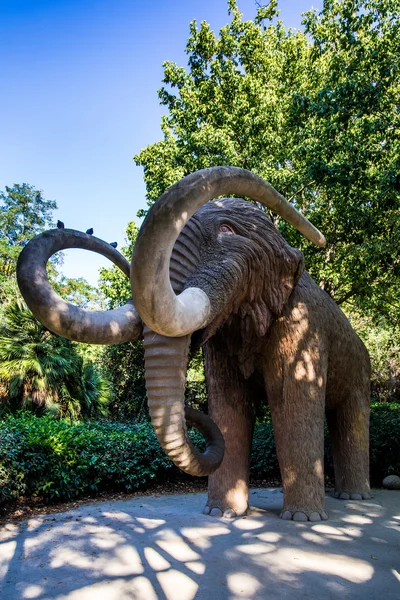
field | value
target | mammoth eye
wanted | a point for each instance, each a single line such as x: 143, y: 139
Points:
x: 226, y: 229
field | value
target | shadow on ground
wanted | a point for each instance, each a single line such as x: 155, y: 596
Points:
x: 157, y: 547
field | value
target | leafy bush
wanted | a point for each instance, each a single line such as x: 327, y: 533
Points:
x: 384, y: 446
x: 384, y: 441
x: 60, y: 460
x: 382, y: 339
x: 123, y: 365
x: 264, y: 462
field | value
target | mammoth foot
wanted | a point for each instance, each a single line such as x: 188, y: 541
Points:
x: 344, y: 495
x: 226, y: 512
x: 303, y: 515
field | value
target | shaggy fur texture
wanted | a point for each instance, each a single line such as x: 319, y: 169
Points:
x: 272, y: 324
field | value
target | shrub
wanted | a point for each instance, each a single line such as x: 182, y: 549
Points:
x: 384, y: 441
x: 59, y: 460
x: 384, y: 446
x: 264, y: 462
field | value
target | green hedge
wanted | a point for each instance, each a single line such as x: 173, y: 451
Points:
x: 384, y: 441
x: 384, y: 446
x: 62, y: 460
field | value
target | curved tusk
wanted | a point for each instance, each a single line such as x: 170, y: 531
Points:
x: 61, y: 317
x: 188, y: 312
x: 156, y: 302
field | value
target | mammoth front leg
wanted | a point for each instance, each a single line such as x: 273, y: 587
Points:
x: 231, y: 408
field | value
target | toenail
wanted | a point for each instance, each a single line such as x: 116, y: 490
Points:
x: 287, y: 515
x: 300, y: 516
x: 314, y: 516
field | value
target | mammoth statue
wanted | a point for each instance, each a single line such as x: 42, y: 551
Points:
x: 219, y: 275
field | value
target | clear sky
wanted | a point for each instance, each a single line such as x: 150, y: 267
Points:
x: 78, y: 98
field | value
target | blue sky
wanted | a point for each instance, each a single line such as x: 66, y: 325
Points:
x: 78, y: 98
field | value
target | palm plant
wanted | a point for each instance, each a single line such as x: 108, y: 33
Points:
x: 87, y: 394
x: 43, y: 371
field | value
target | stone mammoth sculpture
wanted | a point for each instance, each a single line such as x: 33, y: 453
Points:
x: 219, y: 275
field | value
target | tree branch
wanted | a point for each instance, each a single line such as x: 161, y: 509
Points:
x: 349, y: 294
x: 300, y: 190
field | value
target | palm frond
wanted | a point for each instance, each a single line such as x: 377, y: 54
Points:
x: 44, y: 371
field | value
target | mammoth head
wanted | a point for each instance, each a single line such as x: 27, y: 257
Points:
x: 194, y: 262
x: 154, y: 298
x: 239, y: 260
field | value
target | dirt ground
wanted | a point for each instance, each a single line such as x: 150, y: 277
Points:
x: 23, y: 508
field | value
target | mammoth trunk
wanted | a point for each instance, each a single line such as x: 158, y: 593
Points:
x: 166, y: 364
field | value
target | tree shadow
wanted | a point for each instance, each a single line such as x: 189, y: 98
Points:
x: 163, y: 548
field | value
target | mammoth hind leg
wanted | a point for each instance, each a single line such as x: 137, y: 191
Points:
x: 299, y: 439
x: 296, y: 394
x: 349, y: 430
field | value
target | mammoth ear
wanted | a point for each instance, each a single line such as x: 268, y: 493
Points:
x: 288, y: 267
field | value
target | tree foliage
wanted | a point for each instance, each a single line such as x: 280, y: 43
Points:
x: 40, y: 370
x: 24, y: 213
x: 316, y: 113
x: 124, y: 363
x: 383, y: 343
x: 78, y: 291
x: 114, y: 284
x: 348, y: 141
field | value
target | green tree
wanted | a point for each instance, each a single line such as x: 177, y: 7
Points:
x: 316, y: 114
x: 113, y: 283
x: 78, y: 291
x: 232, y: 104
x: 124, y: 363
x: 347, y: 124
x: 38, y: 368
x: 382, y: 340
x: 42, y: 371
x: 23, y: 214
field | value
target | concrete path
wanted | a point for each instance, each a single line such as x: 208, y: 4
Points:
x: 162, y: 547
